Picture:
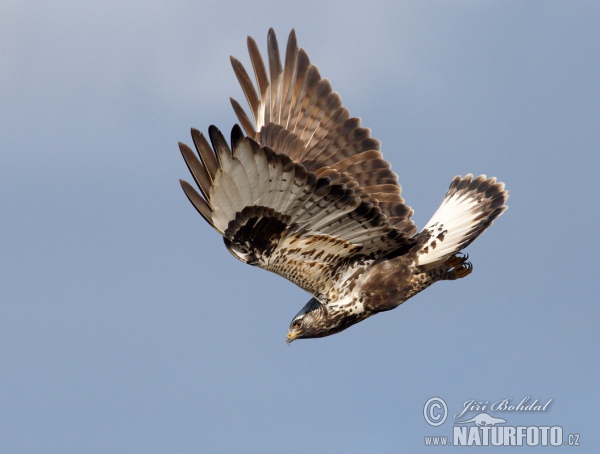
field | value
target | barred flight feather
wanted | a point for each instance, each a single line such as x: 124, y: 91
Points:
x: 296, y: 112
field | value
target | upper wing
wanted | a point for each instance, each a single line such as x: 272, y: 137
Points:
x: 297, y: 113
x: 275, y: 214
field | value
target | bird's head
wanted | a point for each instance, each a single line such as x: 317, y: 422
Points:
x: 315, y: 320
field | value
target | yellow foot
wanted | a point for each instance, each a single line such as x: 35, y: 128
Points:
x: 456, y: 260
x: 461, y: 268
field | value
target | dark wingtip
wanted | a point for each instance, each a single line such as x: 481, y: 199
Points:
x: 237, y: 136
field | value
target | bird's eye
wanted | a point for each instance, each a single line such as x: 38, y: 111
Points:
x: 297, y: 324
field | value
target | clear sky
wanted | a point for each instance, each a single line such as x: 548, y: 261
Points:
x: 127, y: 327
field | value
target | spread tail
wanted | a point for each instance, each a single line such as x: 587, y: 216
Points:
x: 468, y: 209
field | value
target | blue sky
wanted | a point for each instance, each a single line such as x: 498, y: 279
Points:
x: 126, y: 326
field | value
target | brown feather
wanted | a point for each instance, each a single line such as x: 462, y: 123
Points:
x: 247, y: 87
x: 205, y: 152
x: 196, y: 169
x: 243, y: 118
x: 197, y: 200
x: 275, y: 71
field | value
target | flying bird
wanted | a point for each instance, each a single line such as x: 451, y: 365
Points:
x: 306, y: 193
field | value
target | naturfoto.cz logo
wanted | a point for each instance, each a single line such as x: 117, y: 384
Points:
x: 486, y: 429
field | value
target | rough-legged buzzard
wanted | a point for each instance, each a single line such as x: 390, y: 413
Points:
x: 306, y: 193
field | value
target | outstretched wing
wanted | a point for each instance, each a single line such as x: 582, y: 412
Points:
x: 275, y: 214
x: 296, y: 112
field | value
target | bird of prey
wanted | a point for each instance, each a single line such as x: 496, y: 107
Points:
x: 305, y: 193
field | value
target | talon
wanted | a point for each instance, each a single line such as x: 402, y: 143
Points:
x: 456, y: 260
x: 452, y: 261
x: 464, y: 270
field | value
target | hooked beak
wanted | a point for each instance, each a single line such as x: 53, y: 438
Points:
x: 292, y: 336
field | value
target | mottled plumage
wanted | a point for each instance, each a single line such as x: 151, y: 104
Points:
x: 307, y: 194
